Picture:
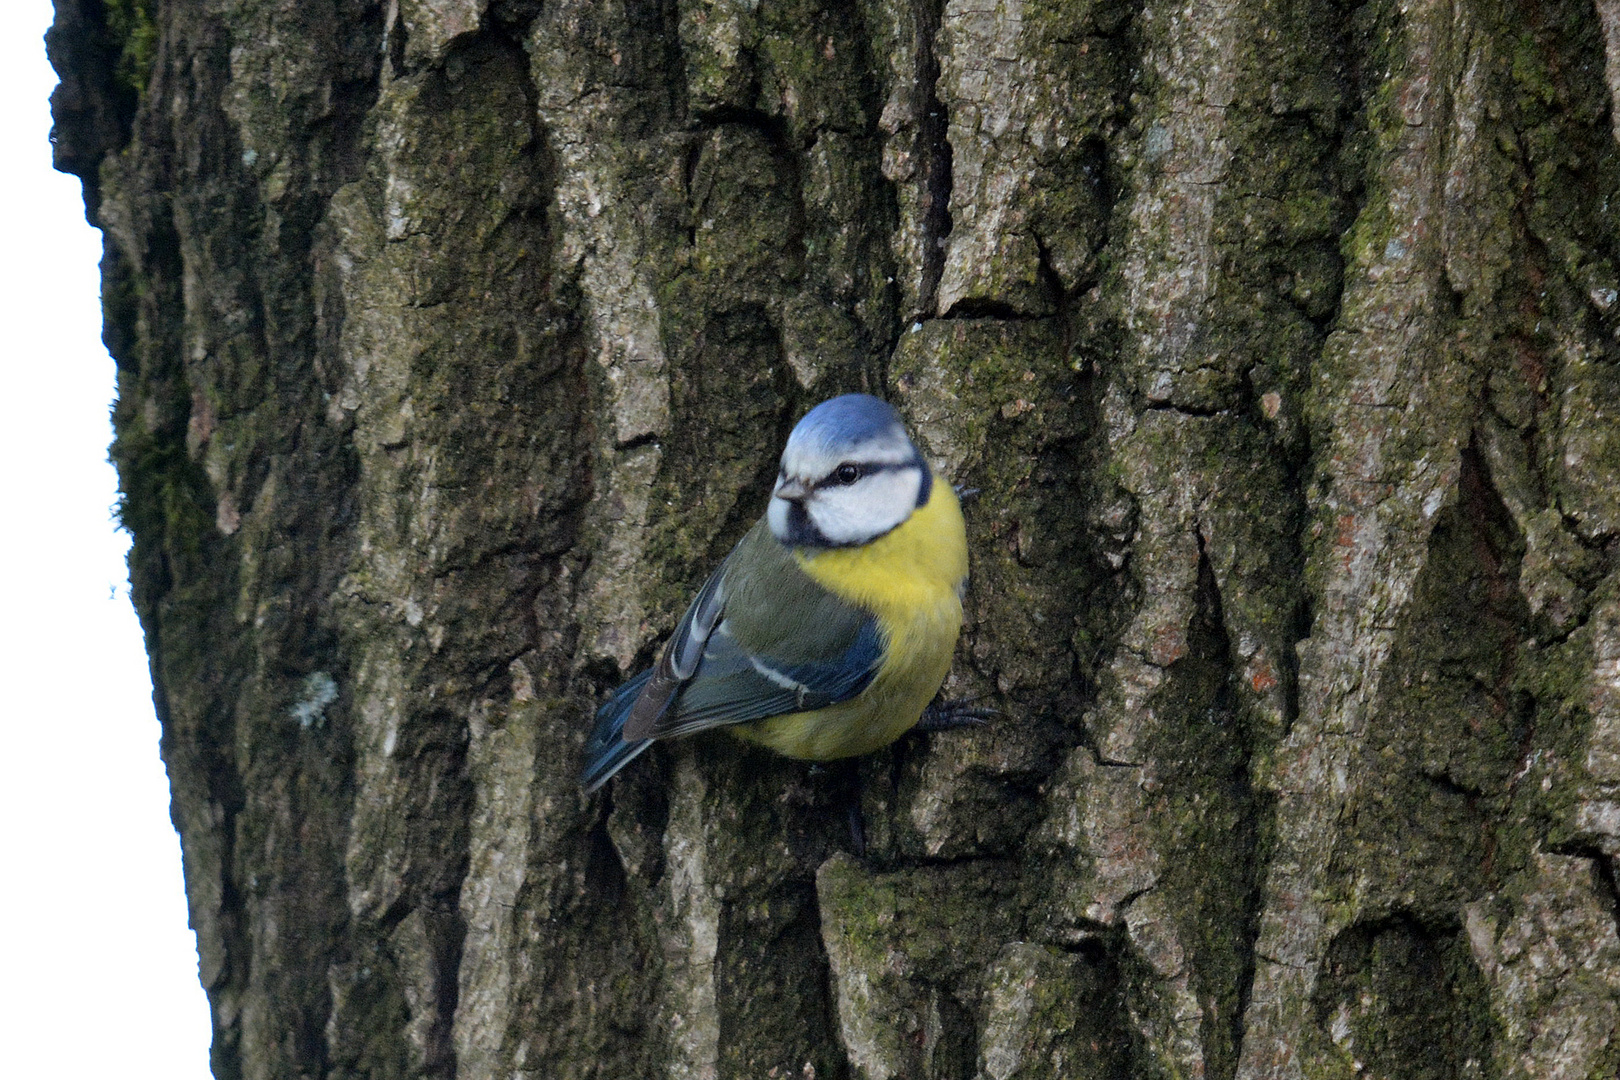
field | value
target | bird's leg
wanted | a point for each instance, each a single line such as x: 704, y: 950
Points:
x: 849, y: 775
x: 857, y: 828
x: 845, y: 777
x: 943, y: 714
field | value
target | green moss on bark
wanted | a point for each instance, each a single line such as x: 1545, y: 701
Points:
x: 131, y: 25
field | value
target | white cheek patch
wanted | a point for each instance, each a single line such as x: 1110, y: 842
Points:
x: 777, y: 514
x: 866, y: 509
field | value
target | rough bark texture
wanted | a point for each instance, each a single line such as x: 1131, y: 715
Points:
x: 456, y: 340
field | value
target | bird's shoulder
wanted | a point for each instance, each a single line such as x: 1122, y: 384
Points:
x: 776, y: 609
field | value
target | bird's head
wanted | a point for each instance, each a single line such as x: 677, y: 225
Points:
x: 849, y: 474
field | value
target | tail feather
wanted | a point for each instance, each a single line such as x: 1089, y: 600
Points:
x: 608, y: 751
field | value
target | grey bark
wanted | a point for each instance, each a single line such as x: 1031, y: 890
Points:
x: 456, y: 339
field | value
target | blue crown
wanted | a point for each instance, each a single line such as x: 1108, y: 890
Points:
x: 845, y: 421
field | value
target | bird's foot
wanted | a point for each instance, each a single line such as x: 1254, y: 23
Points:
x: 944, y: 714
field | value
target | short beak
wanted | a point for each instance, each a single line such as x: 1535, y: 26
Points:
x: 791, y: 490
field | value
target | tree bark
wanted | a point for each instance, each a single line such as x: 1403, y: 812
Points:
x: 456, y: 342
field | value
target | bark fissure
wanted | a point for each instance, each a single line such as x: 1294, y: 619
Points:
x: 933, y: 147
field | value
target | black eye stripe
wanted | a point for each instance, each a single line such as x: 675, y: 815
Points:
x: 867, y: 469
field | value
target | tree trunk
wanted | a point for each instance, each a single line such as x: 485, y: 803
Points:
x: 457, y: 340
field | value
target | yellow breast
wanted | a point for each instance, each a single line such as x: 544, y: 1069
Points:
x: 911, y: 579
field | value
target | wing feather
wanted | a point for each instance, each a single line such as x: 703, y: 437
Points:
x: 760, y: 639
x: 681, y: 658
x: 608, y: 752
x: 734, y: 685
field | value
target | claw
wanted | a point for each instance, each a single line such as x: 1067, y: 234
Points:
x: 943, y: 715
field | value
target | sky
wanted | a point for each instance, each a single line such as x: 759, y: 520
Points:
x: 100, y: 967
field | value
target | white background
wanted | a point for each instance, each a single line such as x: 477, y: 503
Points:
x: 98, y: 972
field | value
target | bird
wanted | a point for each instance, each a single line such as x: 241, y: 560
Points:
x: 829, y: 629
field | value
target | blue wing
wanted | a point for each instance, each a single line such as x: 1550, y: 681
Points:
x: 787, y: 646
x: 609, y: 751
x: 681, y: 656
x: 730, y: 686
x: 733, y: 685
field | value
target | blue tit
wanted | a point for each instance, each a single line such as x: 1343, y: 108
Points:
x: 830, y: 626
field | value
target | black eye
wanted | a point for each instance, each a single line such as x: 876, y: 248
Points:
x: 847, y: 473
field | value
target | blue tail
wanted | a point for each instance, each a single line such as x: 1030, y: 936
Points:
x: 608, y: 752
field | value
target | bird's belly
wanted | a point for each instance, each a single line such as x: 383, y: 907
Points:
x: 916, y: 660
